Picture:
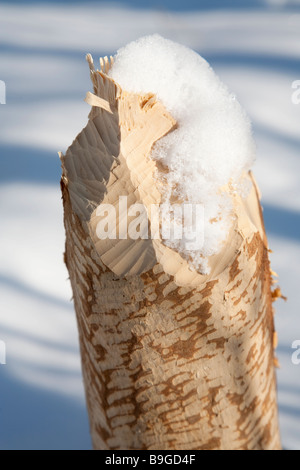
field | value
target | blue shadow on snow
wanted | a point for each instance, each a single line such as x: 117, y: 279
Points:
x: 41, y: 420
x: 169, y: 5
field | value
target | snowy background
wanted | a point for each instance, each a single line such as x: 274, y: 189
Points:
x: 255, y: 48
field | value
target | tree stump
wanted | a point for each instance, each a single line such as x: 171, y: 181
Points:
x: 171, y: 359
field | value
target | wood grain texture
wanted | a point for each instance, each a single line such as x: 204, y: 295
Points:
x: 171, y: 359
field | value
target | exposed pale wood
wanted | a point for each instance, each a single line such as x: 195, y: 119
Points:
x: 171, y: 359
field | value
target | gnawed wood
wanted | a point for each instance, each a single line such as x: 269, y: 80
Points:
x: 171, y: 359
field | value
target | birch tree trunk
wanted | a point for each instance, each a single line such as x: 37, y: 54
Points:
x: 171, y: 359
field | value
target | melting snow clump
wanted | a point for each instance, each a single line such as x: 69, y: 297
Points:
x: 212, y: 145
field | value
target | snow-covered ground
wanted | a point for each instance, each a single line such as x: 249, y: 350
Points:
x: 255, y: 50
